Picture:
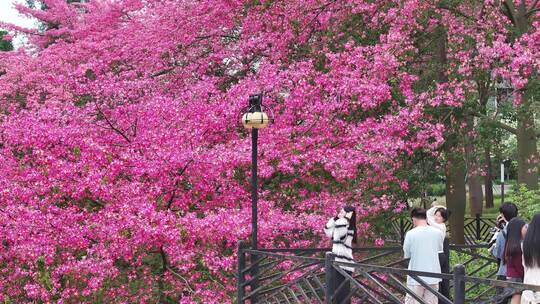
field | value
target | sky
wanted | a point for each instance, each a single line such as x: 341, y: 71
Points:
x: 10, y: 14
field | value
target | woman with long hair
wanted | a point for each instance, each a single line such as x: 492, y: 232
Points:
x: 513, y: 254
x: 531, y: 260
x: 342, y: 230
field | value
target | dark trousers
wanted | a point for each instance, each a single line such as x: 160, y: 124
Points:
x: 444, y: 285
x: 444, y: 260
x: 341, y: 295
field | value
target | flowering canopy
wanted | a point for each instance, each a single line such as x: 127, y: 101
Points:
x: 124, y: 168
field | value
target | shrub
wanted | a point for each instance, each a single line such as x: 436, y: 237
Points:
x: 438, y: 189
x: 528, y: 202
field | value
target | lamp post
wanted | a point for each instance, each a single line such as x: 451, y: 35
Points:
x: 254, y: 119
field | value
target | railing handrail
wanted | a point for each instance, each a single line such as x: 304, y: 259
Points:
x: 362, y: 248
x: 481, y: 217
x: 325, y: 249
x: 465, y: 246
x: 499, y: 283
x: 376, y: 268
x: 283, y: 256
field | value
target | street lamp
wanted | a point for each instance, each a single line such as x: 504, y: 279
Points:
x: 254, y: 119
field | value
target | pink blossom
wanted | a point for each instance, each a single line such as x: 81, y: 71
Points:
x: 123, y: 164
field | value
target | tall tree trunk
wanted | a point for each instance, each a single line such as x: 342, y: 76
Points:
x: 526, y: 134
x: 476, y: 196
x: 488, y: 179
x: 455, y: 188
x: 526, y: 146
x: 455, y: 165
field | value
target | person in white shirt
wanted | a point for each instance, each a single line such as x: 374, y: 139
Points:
x: 422, y: 246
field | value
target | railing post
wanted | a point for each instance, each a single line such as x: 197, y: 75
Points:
x: 477, y: 218
x: 255, y: 277
x: 401, y: 230
x: 241, y: 278
x: 459, y: 284
x: 330, y: 274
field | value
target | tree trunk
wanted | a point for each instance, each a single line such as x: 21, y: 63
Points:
x: 455, y: 165
x: 455, y: 189
x: 476, y: 196
x: 488, y: 179
x: 526, y: 134
x: 526, y: 146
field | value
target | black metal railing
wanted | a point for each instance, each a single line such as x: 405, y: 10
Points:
x: 310, y: 275
x: 477, y: 229
x: 377, y: 284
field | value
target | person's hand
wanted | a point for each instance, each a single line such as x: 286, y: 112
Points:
x: 491, y: 248
x: 501, y: 221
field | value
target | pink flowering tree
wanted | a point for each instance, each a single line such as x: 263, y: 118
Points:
x: 498, y: 46
x: 124, y: 168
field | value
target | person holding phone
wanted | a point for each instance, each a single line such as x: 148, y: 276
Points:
x: 342, y: 230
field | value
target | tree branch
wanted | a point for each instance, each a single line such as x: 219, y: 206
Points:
x: 533, y: 7
x: 176, y: 274
x: 163, y: 260
x: 111, y: 125
x: 510, y: 8
x: 532, y: 11
x: 180, y: 173
x: 163, y: 72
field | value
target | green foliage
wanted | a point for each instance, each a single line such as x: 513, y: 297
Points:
x: 44, y: 276
x: 5, y: 46
x: 528, y: 202
x: 438, y: 189
x: 424, y: 176
x: 77, y: 151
